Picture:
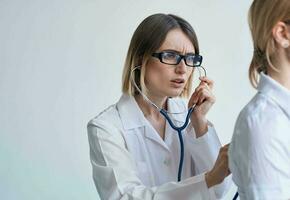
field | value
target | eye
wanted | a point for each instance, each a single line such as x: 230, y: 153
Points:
x: 193, y: 60
x: 169, y: 55
x: 190, y: 59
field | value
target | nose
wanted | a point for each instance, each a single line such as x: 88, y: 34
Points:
x: 181, y: 67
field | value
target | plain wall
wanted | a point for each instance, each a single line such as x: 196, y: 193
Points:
x: 60, y: 65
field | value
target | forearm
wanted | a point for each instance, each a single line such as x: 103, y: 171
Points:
x: 200, y: 126
x: 220, y: 187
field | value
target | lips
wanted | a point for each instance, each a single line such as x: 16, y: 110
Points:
x: 177, y: 83
x: 178, y: 80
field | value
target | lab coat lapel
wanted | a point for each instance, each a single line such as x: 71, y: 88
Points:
x: 133, y: 118
x: 130, y: 113
x: 151, y: 134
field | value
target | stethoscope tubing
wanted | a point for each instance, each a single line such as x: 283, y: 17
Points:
x: 179, y: 131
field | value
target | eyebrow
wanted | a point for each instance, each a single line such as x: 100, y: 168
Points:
x: 174, y: 51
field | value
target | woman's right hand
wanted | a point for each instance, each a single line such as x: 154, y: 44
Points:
x: 220, y: 170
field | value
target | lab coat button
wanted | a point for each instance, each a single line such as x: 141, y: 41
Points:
x: 166, y: 162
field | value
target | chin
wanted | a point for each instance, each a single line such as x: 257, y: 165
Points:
x: 174, y: 93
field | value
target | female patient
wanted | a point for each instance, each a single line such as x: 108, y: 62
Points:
x: 260, y: 148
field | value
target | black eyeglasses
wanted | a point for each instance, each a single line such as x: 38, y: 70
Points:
x: 173, y: 58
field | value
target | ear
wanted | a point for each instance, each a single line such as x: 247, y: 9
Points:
x: 281, y: 34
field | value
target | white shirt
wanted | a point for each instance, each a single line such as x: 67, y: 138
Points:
x: 131, y: 161
x: 259, y: 154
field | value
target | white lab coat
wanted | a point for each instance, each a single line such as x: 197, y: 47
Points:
x: 131, y: 161
x: 259, y: 154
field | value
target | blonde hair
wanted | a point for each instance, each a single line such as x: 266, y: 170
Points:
x: 263, y: 16
x: 147, y: 38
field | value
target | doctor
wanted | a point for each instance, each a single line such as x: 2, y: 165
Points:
x: 259, y: 154
x: 134, y: 152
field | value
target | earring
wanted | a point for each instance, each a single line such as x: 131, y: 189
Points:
x: 285, y: 44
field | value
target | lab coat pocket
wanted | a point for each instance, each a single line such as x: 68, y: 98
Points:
x: 143, y: 173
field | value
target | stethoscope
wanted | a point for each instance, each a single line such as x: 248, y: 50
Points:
x: 165, y: 113
x: 178, y: 129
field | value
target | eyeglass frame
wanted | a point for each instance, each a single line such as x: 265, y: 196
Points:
x: 180, y: 57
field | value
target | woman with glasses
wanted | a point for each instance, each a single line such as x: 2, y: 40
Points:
x: 259, y: 153
x: 134, y: 152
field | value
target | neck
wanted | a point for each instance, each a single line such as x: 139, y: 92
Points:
x: 147, y: 108
x: 282, y: 75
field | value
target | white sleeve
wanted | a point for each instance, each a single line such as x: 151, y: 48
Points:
x: 204, y: 151
x: 257, y: 157
x: 115, y: 173
x: 237, y: 157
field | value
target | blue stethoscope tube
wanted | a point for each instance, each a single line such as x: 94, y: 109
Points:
x: 179, y: 131
x: 236, y: 196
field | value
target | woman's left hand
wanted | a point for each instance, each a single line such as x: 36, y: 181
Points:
x: 203, y: 98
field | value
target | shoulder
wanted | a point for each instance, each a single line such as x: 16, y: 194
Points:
x: 107, y: 121
x: 261, y: 109
x: 259, y: 119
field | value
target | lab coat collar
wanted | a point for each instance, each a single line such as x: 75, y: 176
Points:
x: 130, y: 113
x: 176, y: 105
x: 275, y: 91
x: 132, y: 116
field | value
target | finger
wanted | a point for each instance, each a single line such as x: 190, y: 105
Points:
x: 202, y: 86
x: 205, y: 95
x: 193, y: 99
x: 203, y: 83
x: 207, y: 80
x: 200, y: 100
x: 200, y: 97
